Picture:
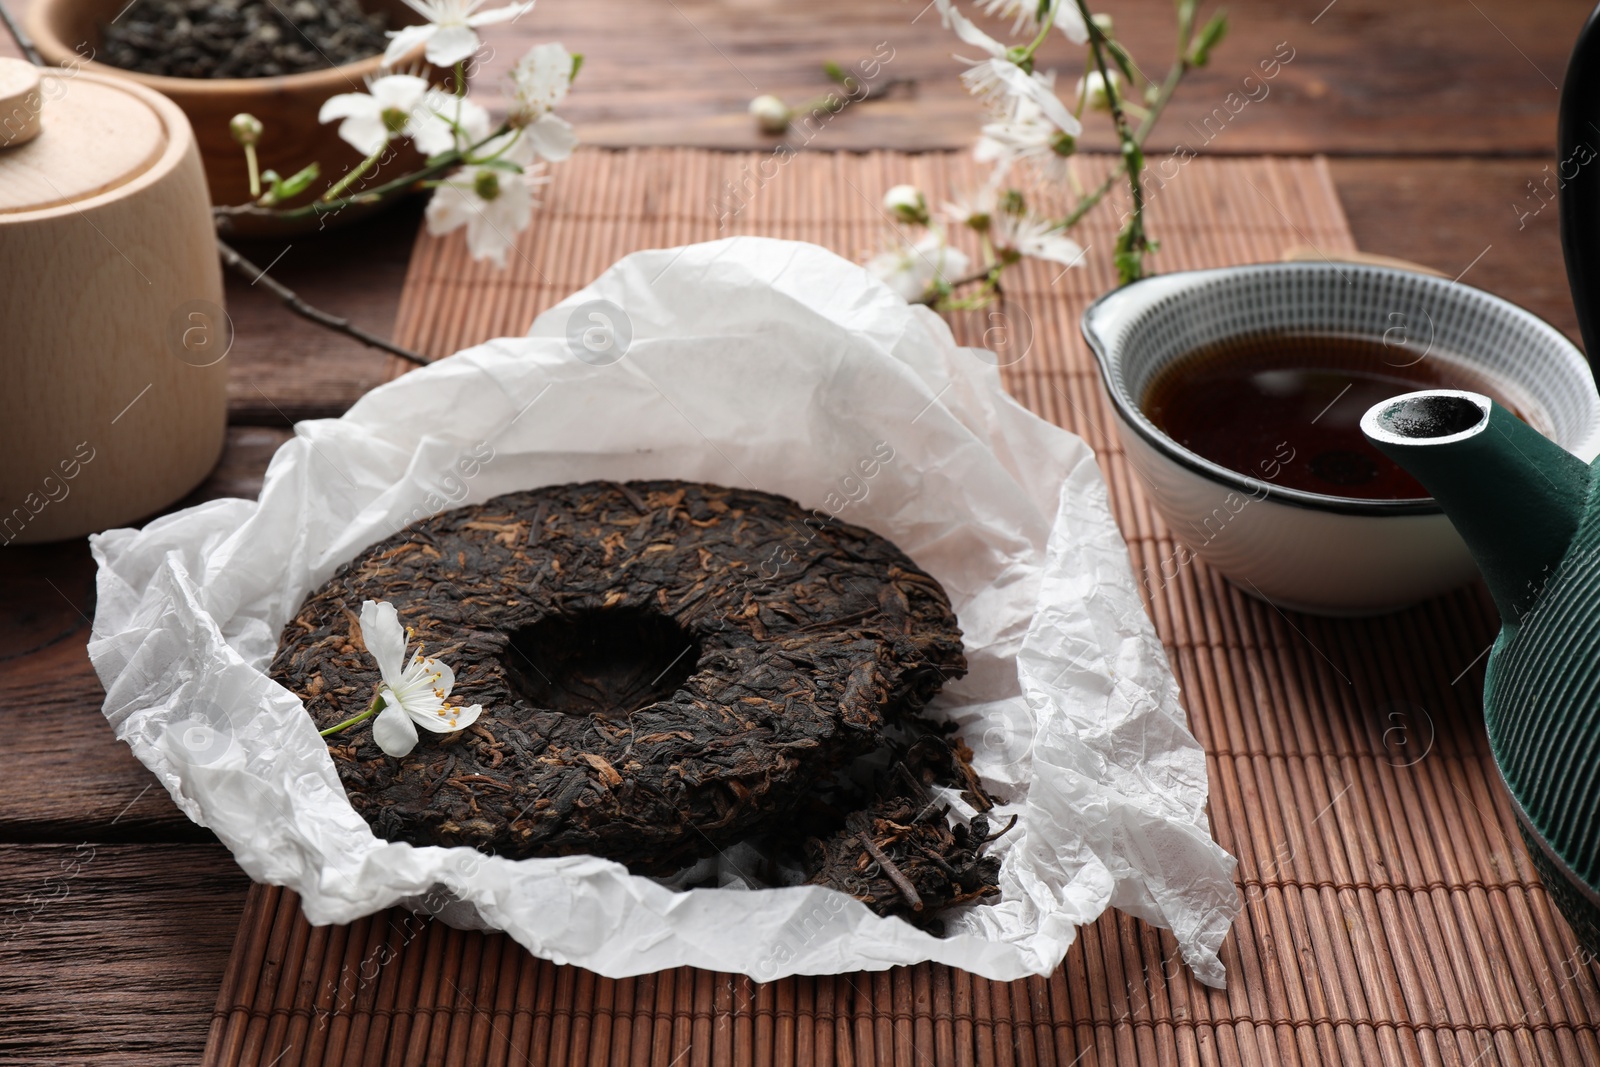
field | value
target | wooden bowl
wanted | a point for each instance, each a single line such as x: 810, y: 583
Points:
x: 67, y: 33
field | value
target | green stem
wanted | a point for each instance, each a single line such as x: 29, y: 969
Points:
x: 1132, y: 242
x: 435, y: 167
x: 255, y: 171
x: 1045, y: 23
x: 349, y: 179
x: 461, y: 77
x: 372, y: 709
x: 1170, y: 83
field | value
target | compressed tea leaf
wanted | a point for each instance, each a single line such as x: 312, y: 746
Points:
x: 898, y: 852
x: 665, y: 667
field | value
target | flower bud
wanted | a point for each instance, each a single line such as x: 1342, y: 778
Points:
x: 1104, y: 23
x: 771, y: 114
x: 1210, y: 35
x: 246, y: 129
x: 906, y: 203
x: 1092, y: 90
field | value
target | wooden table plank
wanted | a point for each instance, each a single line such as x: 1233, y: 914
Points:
x: 1447, y: 213
x: 112, y: 954
x: 67, y: 776
x: 285, y: 368
x: 1398, y: 77
x: 1369, y: 76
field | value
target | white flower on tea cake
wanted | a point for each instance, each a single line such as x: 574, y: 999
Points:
x: 410, y: 695
x: 451, y: 30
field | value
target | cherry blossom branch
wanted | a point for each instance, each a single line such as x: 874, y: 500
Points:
x: 435, y: 167
x: 1132, y: 241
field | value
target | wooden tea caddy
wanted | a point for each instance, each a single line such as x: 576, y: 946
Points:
x: 112, y: 333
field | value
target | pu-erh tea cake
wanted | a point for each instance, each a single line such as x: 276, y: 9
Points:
x: 664, y: 668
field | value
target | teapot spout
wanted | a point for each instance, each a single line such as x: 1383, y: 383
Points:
x: 1515, y: 496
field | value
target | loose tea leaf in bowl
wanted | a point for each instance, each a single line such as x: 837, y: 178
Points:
x: 665, y: 668
x: 240, y: 38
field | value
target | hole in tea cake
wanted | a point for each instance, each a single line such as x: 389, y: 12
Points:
x: 609, y: 662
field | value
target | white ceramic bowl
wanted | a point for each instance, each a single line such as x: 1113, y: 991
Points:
x: 1325, y: 554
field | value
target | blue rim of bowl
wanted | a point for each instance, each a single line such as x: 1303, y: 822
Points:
x: 1128, y: 410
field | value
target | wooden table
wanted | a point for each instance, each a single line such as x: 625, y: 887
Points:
x: 117, y: 914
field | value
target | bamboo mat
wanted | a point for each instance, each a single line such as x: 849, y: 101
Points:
x: 1390, y: 912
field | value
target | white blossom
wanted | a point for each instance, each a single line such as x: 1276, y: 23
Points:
x: 913, y: 269
x: 447, y: 122
x: 494, y: 203
x: 451, y: 33
x: 1025, y: 16
x: 999, y: 79
x: 974, y: 209
x: 1024, y: 134
x: 391, y: 105
x: 539, y: 82
x: 413, y: 695
x: 1027, y: 235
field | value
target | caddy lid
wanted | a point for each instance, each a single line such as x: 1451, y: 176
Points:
x: 66, y: 136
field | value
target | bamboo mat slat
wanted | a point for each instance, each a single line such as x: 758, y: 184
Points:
x: 1390, y: 914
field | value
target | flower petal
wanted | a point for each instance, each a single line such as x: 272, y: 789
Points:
x: 1070, y: 21
x: 499, y: 14
x: 970, y: 33
x: 430, y: 125
x: 399, y: 91
x: 447, y: 723
x: 552, y: 138
x: 449, y: 45
x: 428, y: 668
x: 450, y: 207
x: 1019, y: 82
x: 346, y: 104
x: 384, y: 637
x: 404, y: 40
x: 394, y: 731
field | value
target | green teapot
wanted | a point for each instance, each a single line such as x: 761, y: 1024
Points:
x: 1529, y: 511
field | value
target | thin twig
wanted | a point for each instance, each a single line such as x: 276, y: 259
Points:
x: 232, y: 259
x: 24, y: 42
x: 897, y: 876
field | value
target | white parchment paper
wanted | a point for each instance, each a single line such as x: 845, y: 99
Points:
x: 748, y: 362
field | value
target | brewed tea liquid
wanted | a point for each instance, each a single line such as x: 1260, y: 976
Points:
x: 1286, y: 408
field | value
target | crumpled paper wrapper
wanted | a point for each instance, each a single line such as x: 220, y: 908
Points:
x: 748, y: 362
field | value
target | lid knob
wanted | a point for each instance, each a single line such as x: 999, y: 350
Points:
x: 20, y: 102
